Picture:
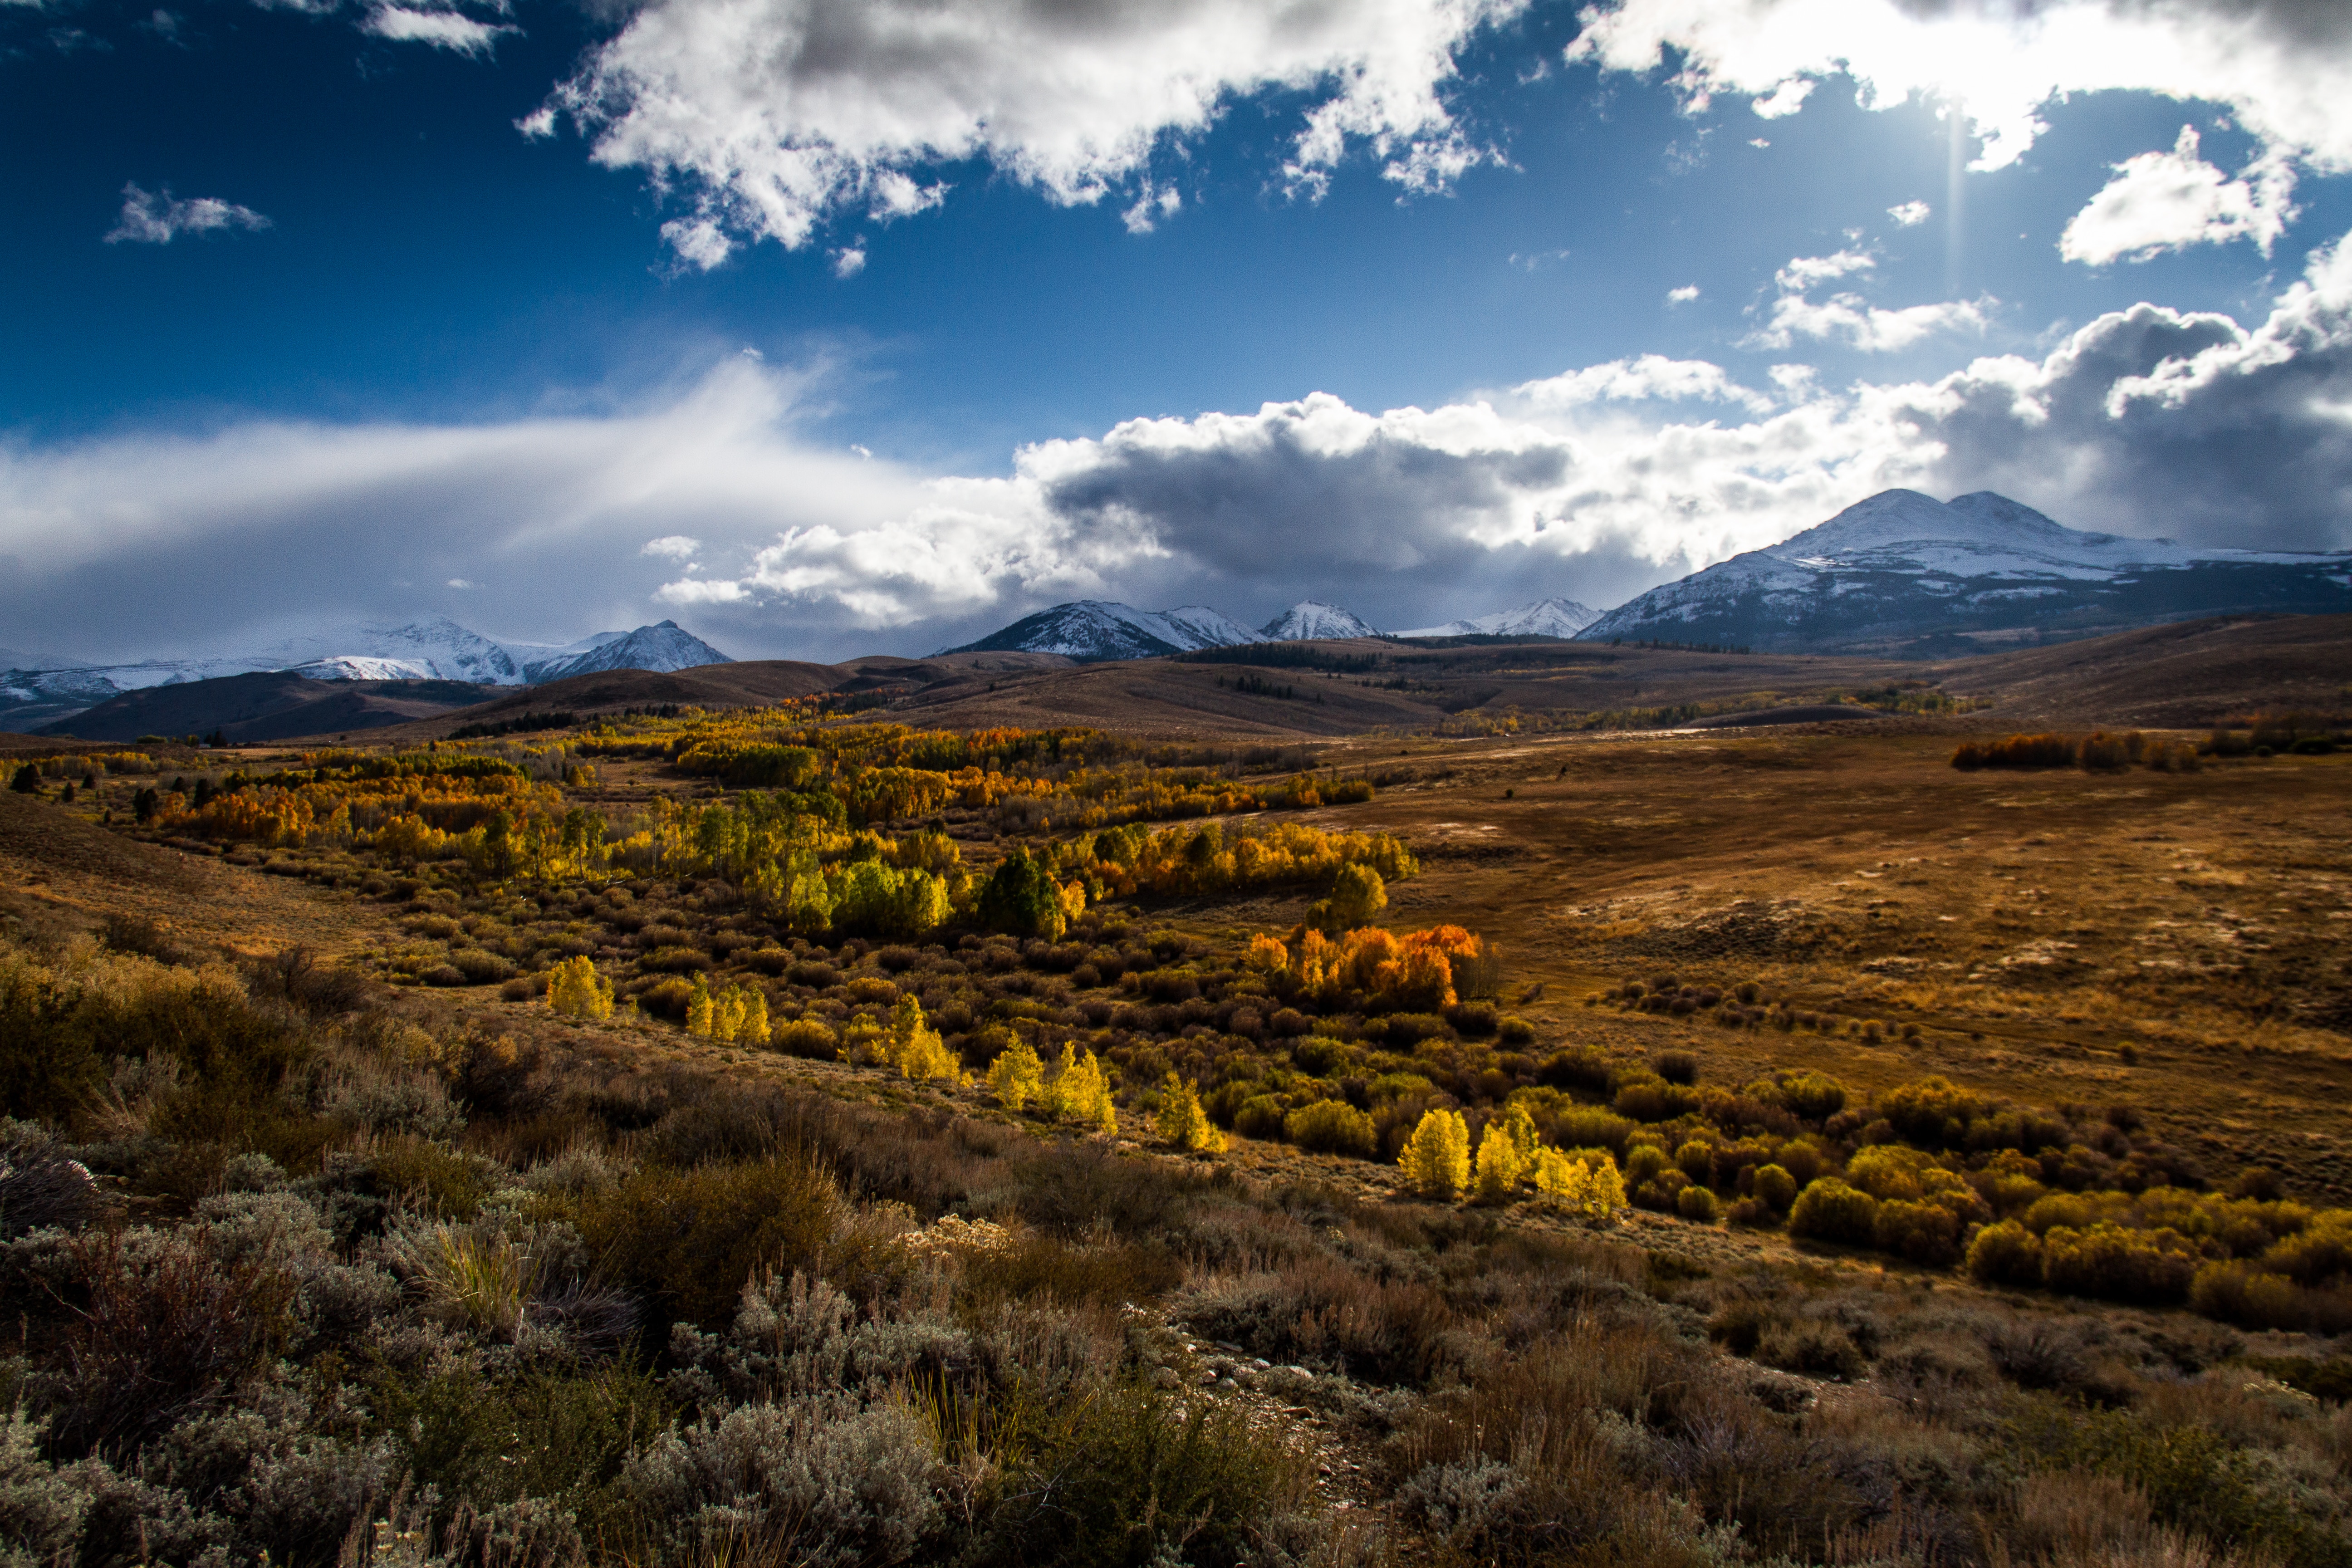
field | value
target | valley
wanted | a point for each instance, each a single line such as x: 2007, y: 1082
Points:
x: 1006, y: 1021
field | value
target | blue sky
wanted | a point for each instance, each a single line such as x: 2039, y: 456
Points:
x: 316, y: 320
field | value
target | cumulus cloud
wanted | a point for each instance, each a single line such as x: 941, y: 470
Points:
x: 1848, y: 318
x: 440, y: 26
x: 156, y: 217
x: 1910, y: 215
x: 1682, y: 296
x: 849, y: 260
x: 2278, y: 65
x: 2169, y: 201
x: 772, y: 116
x: 1595, y: 483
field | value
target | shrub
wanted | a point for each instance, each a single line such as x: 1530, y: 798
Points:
x: 2006, y: 1254
x: 1697, y: 1202
x: 1513, y: 1030
x: 1816, y: 1349
x: 1130, y: 1475
x: 688, y: 1240
x: 810, y: 1038
x: 2240, y: 1293
x: 1332, y: 1127
x: 1675, y: 1068
x: 1580, y: 1068
x: 1933, y: 1112
x: 1436, y: 1161
x: 1080, y: 1092
x: 2122, y: 1265
x: 1829, y: 1210
x: 1815, y: 1097
x: 1775, y: 1188
x: 1920, y: 1231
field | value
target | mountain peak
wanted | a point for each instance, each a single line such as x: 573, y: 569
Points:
x: 1904, y: 572
x: 1544, y: 618
x: 1312, y: 620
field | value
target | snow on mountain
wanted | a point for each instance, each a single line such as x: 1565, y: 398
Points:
x: 1097, y: 629
x: 1311, y: 620
x: 356, y: 666
x: 1214, y: 628
x: 662, y: 647
x: 1903, y: 571
x: 1545, y: 618
x: 433, y: 648
x: 538, y: 657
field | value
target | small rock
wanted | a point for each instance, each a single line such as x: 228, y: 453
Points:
x: 1260, y: 1362
x: 1224, y: 1384
x: 1164, y: 1377
x: 1208, y: 1377
x: 1298, y: 1372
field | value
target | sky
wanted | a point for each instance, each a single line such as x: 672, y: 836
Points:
x: 829, y: 327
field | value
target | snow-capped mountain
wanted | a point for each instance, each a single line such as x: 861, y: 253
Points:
x: 1214, y: 628
x: 1902, y: 572
x: 1545, y: 618
x: 539, y: 658
x: 1094, y: 630
x: 665, y: 647
x: 433, y: 648
x: 1311, y: 620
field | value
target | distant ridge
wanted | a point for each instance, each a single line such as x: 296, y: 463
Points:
x: 1544, y: 618
x: 1903, y: 573
x: 435, y: 648
x: 1095, y: 630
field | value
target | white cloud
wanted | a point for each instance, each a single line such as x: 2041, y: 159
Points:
x: 770, y: 116
x: 1910, y: 215
x: 1652, y: 377
x: 849, y: 260
x: 462, y: 583
x: 2169, y: 201
x: 1595, y: 482
x: 1682, y: 296
x: 2278, y: 65
x: 1150, y: 208
x: 439, y: 26
x: 1848, y: 317
x: 156, y: 217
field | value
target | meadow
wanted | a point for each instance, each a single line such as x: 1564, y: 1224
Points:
x: 780, y: 1135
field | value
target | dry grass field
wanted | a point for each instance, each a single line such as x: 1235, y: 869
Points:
x: 327, y: 1237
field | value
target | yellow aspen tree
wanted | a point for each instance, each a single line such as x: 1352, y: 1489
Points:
x: 1561, y: 1179
x: 916, y: 1047
x: 1080, y: 1092
x: 1016, y: 1076
x: 1436, y: 1159
x: 1520, y: 1128
x: 1182, y: 1122
x: 697, y: 1009
x: 754, y: 1030
x: 1500, y: 1164
x: 726, y: 1015
x: 574, y: 990
x: 1605, y: 1195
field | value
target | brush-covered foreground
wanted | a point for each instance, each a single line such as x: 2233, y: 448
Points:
x: 732, y: 1170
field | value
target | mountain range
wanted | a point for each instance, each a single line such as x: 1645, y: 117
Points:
x: 1545, y: 618
x: 35, y: 691
x: 1903, y: 573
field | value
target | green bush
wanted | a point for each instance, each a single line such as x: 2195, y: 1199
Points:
x: 1813, y: 1096
x: 1829, y: 1210
x: 2006, y: 1254
x: 1696, y: 1204
x: 691, y: 1240
x: 1775, y: 1188
x: 812, y: 1038
x: 1920, y: 1231
x: 2122, y: 1264
x: 1332, y: 1127
x: 1261, y: 1116
x: 1127, y: 1475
